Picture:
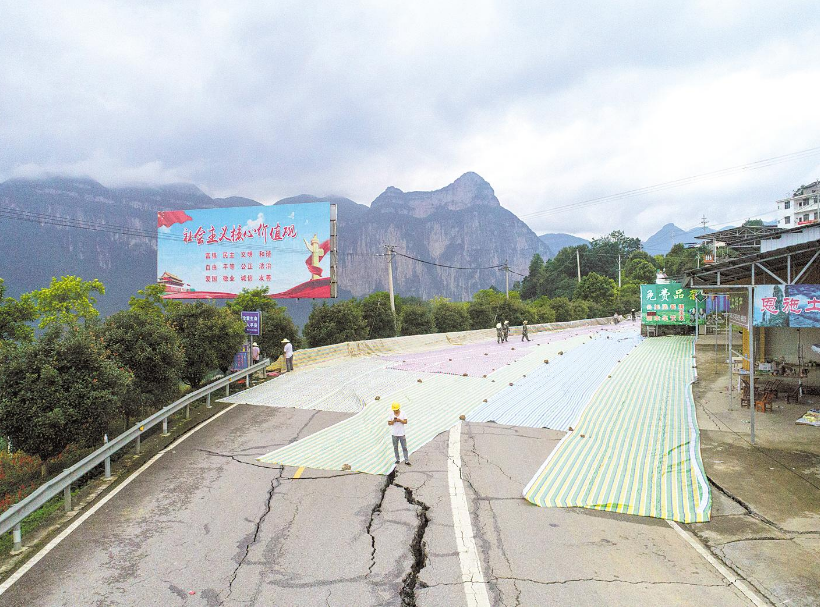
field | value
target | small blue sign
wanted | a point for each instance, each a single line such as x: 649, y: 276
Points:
x: 252, y: 322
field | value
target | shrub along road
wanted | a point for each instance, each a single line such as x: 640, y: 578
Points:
x: 208, y: 524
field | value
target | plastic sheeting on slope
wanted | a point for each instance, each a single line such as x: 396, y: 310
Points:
x: 481, y: 358
x: 636, y: 449
x: 418, y: 343
x: 431, y: 407
x: 344, y: 387
x: 553, y: 395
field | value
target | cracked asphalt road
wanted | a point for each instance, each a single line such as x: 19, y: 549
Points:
x: 208, y: 525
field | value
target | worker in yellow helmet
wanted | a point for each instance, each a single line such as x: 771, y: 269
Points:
x: 397, y: 424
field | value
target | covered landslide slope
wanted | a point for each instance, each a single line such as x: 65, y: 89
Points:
x: 431, y: 406
x: 636, y: 449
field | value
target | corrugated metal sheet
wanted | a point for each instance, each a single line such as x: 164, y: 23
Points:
x: 636, y: 449
x: 553, y: 395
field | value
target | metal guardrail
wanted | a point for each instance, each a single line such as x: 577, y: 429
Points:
x: 11, y: 518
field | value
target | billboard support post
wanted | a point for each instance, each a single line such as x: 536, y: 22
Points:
x: 334, y: 253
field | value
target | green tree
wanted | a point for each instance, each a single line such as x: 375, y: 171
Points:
x: 629, y: 298
x: 67, y: 300
x: 450, y: 317
x: 561, y: 309
x: 753, y: 223
x: 416, y: 320
x: 58, y: 391
x: 598, y: 289
x: 539, y: 311
x: 275, y: 322
x: 482, y: 316
x: 335, y: 324
x: 533, y: 284
x: 145, y: 345
x: 210, y: 338
x: 579, y: 310
x: 15, y: 317
x: 151, y: 302
x: 378, y: 315
x: 640, y: 271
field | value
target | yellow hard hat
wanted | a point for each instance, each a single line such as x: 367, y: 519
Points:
x: 395, y: 406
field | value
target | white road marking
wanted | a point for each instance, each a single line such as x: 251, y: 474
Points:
x: 475, y: 588
x: 739, y: 583
x: 55, y: 542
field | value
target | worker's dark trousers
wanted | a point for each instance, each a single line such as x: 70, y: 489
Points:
x: 289, y: 364
x: 403, y: 441
x: 525, y: 336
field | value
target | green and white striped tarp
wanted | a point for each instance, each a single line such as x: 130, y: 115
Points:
x: 636, y: 448
x: 431, y: 407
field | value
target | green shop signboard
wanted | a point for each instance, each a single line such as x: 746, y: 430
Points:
x: 671, y: 304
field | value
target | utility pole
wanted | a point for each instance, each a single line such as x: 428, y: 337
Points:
x: 578, y: 261
x: 389, y: 252
x: 704, y: 223
x: 507, y: 276
x: 619, y: 270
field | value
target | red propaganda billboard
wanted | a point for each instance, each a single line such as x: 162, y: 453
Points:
x: 216, y: 253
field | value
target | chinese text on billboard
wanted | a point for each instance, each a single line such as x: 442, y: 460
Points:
x: 215, y: 253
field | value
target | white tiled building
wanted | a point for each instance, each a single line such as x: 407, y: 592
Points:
x: 801, y: 209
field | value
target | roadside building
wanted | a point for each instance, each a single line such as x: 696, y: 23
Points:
x: 801, y: 208
x: 774, y: 294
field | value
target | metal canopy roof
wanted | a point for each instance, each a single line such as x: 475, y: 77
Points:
x: 741, y: 237
x: 787, y: 265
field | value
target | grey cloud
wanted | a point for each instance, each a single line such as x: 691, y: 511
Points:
x: 274, y: 99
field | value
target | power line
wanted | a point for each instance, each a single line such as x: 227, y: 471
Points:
x: 79, y: 224
x: 758, y: 164
x: 441, y: 265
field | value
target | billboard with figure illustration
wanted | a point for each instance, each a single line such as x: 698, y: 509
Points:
x: 216, y: 253
x: 671, y: 304
x: 787, y: 306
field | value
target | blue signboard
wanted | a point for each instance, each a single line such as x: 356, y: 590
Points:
x: 252, y: 322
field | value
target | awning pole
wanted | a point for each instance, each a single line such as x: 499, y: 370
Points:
x: 731, y: 354
x: 751, y: 329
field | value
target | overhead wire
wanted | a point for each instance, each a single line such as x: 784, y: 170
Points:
x: 658, y: 187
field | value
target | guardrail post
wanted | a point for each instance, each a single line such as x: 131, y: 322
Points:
x: 67, y: 498
x: 208, y: 401
x: 248, y: 380
x: 17, y: 537
x: 107, y: 462
x: 227, y: 389
x: 165, y: 427
x: 188, y: 411
x: 139, y: 442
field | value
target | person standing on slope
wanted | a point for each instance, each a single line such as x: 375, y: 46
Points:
x: 397, y: 424
x: 499, y: 333
x: 288, y: 354
x: 525, y: 332
x: 506, y: 330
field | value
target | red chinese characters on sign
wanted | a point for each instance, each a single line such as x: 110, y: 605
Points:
x: 813, y: 305
x: 768, y: 305
x: 237, y: 233
x: 791, y: 305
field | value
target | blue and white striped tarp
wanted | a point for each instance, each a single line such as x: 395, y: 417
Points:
x: 554, y: 395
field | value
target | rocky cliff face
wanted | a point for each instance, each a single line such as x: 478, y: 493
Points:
x: 62, y: 226
x: 462, y: 224
x: 59, y: 226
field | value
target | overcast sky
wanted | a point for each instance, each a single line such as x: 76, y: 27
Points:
x: 551, y: 102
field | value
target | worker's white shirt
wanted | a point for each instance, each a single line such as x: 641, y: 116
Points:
x: 288, y: 350
x: 397, y: 429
